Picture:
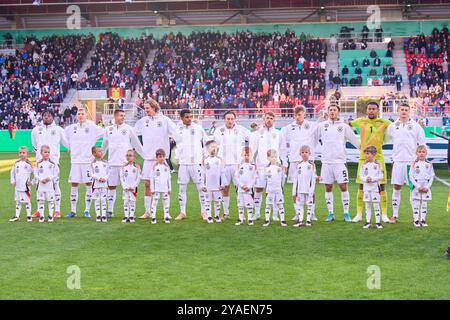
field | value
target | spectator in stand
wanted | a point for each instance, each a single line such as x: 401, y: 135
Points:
x: 366, y: 62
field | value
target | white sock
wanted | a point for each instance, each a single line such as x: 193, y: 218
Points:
x: 329, y: 201
x: 309, y: 213
x: 166, y: 205
x: 300, y: 209
x: 182, y: 198
x: 41, y: 207
x: 368, y: 211
x: 148, y: 204
x: 51, y: 208
x: 377, y: 210
x: 97, y: 206
x: 241, y: 213
x: 423, y: 211
x: 345, y: 196
x: 126, y: 208
x: 258, y: 203
x: 281, y: 212
x: 73, y: 199
x: 267, y: 213
x: 111, y: 199
x: 226, y: 205
x: 201, y: 197
x: 155, y: 201
x: 132, y: 208
x: 395, y: 202
x: 28, y: 208
x: 57, y: 196
x: 416, y: 209
x: 275, y: 212
x: 88, y: 198
x: 18, y: 207
x: 103, y: 201
x: 250, y: 213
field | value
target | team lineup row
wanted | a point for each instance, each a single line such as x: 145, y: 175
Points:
x: 251, y: 161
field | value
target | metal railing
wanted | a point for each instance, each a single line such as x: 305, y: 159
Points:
x: 387, y: 106
x: 372, y: 36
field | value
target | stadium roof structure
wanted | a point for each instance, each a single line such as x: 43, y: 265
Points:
x: 104, y: 13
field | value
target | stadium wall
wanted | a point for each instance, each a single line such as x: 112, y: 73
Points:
x: 322, y: 30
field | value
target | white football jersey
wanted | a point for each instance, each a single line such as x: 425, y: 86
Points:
x: 304, y: 181
x: 230, y: 143
x: 130, y: 176
x: 160, y: 178
x: 213, y: 168
x: 261, y: 141
x: 374, y: 171
x: 246, y: 176
x: 46, y: 169
x: 334, y: 136
x: 21, y: 174
x: 155, y: 132
x: 190, y: 141
x: 421, y: 174
x: 52, y: 136
x: 81, y: 138
x: 100, y: 170
x: 405, y: 138
x: 118, y: 139
x: 293, y: 137
x: 275, y: 178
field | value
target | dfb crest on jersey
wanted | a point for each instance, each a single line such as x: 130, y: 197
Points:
x: 222, y: 130
x: 274, y: 135
x: 125, y: 174
x: 86, y: 130
x: 41, y: 170
x: 53, y: 132
x: 241, y: 172
x: 40, y: 129
x: 235, y: 131
x: 375, y: 167
x: 159, y: 124
x: 366, y: 171
x: 307, y: 126
x: 192, y: 131
x: 326, y: 125
x: 410, y: 127
x: 124, y: 131
x: 96, y: 170
x: 147, y: 122
x: 134, y: 170
x: 340, y: 129
x: 207, y: 166
x: 278, y: 170
x: 417, y: 170
x: 158, y: 172
x: 309, y: 167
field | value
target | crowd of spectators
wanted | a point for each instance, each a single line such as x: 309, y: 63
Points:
x: 243, y: 70
x: 38, y: 76
x: 427, y: 60
x: 117, y: 62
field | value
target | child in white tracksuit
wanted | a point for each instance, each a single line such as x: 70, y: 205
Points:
x: 21, y: 180
x: 421, y: 175
x: 245, y: 178
x: 130, y: 176
x: 275, y: 181
x: 161, y: 185
x: 303, y: 186
x: 213, y: 168
x: 46, y: 173
x: 370, y: 174
x: 100, y: 173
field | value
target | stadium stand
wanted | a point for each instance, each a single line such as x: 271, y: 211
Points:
x: 242, y: 70
x: 38, y: 76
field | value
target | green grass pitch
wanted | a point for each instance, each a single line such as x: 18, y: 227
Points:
x: 193, y: 260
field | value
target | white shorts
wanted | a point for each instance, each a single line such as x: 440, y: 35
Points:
x: 129, y: 195
x: 147, y: 169
x: 331, y: 172
x: 228, y: 175
x: 114, y: 176
x: 371, y: 196
x: 45, y: 196
x: 80, y: 173
x: 215, y: 196
x: 22, y: 196
x: 274, y: 198
x: 186, y: 172
x: 399, y: 173
x: 245, y: 200
x: 416, y: 195
x: 99, y: 193
x: 261, y: 179
x: 292, y: 171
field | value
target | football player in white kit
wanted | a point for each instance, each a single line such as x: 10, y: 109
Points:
x: 156, y: 130
x: 161, y: 185
x: 262, y: 141
x: 100, y: 174
x: 230, y: 139
x: 275, y: 177
x: 371, y: 173
x: 334, y: 133
x: 118, y: 138
x: 421, y: 175
x: 213, y: 170
x: 293, y: 136
x: 46, y: 172
x: 52, y: 135
x: 81, y: 137
x: 21, y: 180
x: 190, y: 138
x: 245, y: 178
x: 405, y: 135
x: 303, y: 186
x: 130, y: 176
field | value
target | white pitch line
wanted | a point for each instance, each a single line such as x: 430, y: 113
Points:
x: 442, y: 181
